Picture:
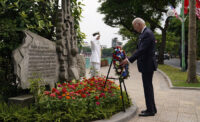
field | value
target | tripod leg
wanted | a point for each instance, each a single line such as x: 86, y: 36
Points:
x: 122, y: 95
x: 126, y: 91
x: 108, y: 73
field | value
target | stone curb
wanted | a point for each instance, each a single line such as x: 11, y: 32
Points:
x: 122, y: 116
x: 170, y: 83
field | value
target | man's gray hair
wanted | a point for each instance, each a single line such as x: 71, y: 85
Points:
x: 138, y: 20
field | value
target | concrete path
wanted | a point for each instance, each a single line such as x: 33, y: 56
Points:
x: 173, y: 105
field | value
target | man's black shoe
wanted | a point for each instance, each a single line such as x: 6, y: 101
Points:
x: 143, y: 111
x: 146, y: 111
x: 144, y: 114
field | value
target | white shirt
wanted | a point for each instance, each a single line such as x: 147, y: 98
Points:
x: 96, y: 51
x: 143, y: 29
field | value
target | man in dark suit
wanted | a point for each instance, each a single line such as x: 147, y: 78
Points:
x: 146, y: 62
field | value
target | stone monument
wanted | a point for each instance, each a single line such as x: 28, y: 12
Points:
x: 36, y: 58
x: 41, y: 58
x: 67, y: 45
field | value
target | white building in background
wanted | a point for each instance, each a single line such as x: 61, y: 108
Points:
x: 116, y: 42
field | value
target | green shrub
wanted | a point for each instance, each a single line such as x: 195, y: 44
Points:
x: 81, y: 102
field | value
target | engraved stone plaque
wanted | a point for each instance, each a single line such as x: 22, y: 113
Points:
x: 36, y: 58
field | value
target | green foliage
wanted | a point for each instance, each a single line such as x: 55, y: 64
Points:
x: 76, y: 13
x: 107, y: 52
x: 175, y: 27
x: 172, y: 43
x: 86, y: 49
x: 178, y: 77
x: 9, y: 113
x: 131, y: 45
x: 122, y: 12
x: 35, y: 15
x: 37, y: 87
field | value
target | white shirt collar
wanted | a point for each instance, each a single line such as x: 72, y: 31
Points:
x: 143, y: 29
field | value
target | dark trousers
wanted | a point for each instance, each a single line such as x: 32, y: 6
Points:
x: 148, y: 91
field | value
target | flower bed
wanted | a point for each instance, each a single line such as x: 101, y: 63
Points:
x: 77, y: 101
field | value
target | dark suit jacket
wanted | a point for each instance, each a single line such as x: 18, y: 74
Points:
x: 145, y: 53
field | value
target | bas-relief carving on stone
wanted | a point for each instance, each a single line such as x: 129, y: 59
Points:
x: 67, y: 44
x: 36, y: 58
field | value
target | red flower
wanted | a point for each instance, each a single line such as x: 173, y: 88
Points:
x: 64, y: 90
x: 96, y: 97
x: 53, y: 90
x: 52, y: 95
x: 97, y: 103
x: 83, y: 95
x: 71, y: 93
x: 46, y: 92
x: 100, y: 79
x: 102, y: 95
x: 79, y: 91
x: 85, y: 89
x: 59, y: 97
x: 76, y: 85
x: 99, y: 88
x: 71, y: 86
x: 64, y: 84
x: 57, y: 92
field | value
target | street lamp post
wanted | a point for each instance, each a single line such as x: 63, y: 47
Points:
x: 182, y: 18
x: 183, y: 68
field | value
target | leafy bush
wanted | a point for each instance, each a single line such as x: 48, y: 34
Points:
x: 37, y: 87
x: 74, y: 101
x: 16, y: 113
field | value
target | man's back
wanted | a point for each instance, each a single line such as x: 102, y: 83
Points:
x: 145, y: 53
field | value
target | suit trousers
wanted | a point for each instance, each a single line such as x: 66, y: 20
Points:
x: 148, y: 91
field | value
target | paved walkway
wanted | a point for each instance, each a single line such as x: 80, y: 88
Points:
x: 173, y: 105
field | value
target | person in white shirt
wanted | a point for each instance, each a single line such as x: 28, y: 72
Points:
x: 95, y: 59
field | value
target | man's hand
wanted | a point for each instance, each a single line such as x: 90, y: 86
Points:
x: 124, y: 62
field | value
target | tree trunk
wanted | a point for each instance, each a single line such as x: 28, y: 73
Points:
x: 192, y: 78
x: 163, y: 44
x: 162, y: 48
